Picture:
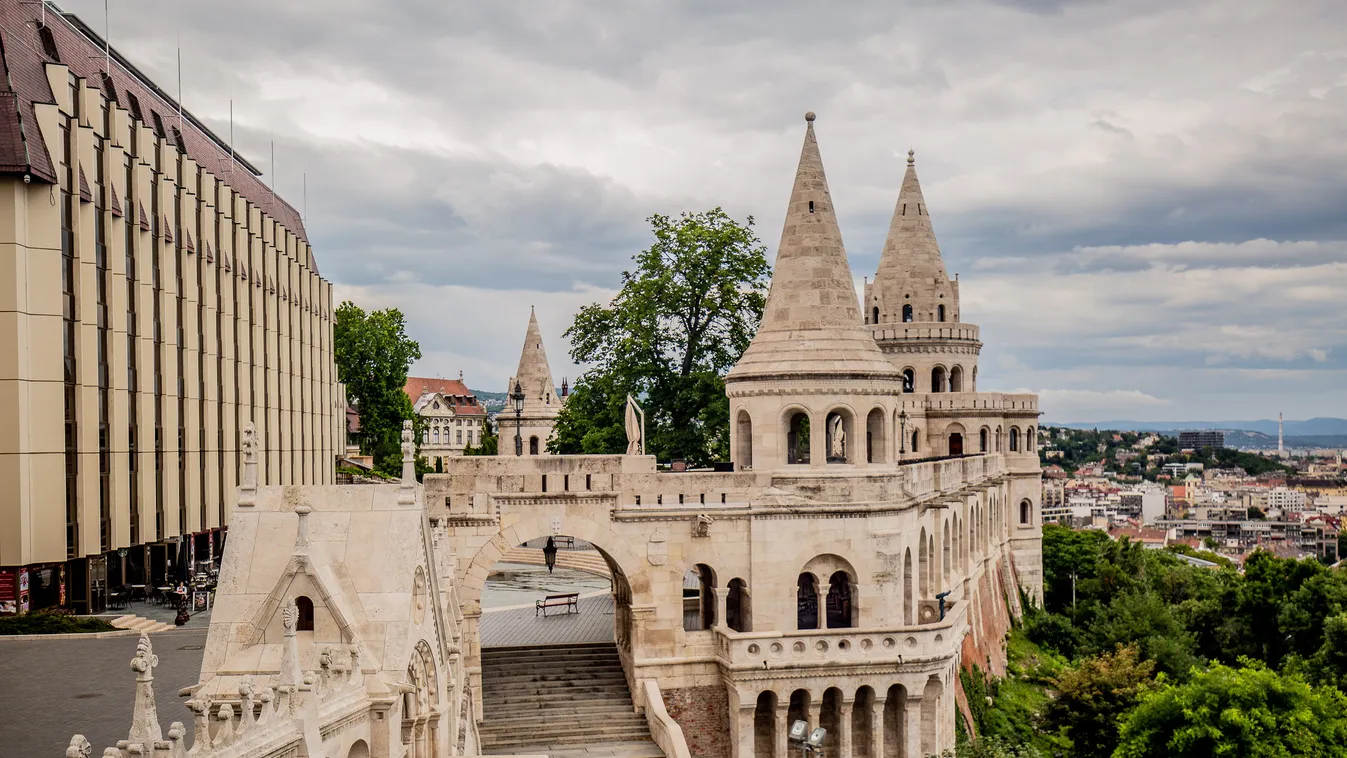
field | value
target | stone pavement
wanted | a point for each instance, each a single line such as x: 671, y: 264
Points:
x: 518, y: 626
x: 52, y: 689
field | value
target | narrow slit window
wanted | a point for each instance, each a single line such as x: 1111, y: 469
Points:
x: 811, y: 206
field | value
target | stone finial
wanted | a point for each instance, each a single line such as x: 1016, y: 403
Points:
x: 200, y: 708
x: 145, y: 661
x: 408, y: 454
x: 248, y: 442
x: 247, y: 719
x: 225, y: 732
x: 290, y: 618
x: 911, y: 156
x: 809, y: 117
x: 109, y: 752
x: 176, y: 733
x: 79, y: 747
x: 302, y: 534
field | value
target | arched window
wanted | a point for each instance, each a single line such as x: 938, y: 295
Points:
x: 914, y: 440
x: 738, y: 611
x: 806, y: 602
x: 838, y: 439
x: 874, y: 436
x: 533, y: 445
x: 874, y: 315
x: 956, y: 379
x: 982, y: 440
x: 1014, y: 439
x: 940, y: 312
x: 305, y: 622
x: 1026, y: 512
x: 955, y: 443
x: 839, y: 601
x: 744, y: 432
x: 938, y: 379
x: 909, y: 381
x: 699, y: 598
x: 797, y: 438
x: 907, y: 314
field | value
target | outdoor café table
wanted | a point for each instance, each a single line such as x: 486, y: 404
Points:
x: 137, y: 589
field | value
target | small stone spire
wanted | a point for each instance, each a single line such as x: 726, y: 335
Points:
x: 534, y: 375
x: 911, y: 270
x: 812, y: 323
x: 144, y: 719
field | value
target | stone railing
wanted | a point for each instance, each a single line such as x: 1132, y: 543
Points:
x: 952, y: 330
x: 663, y: 729
x: 951, y: 474
x: 830, y: 648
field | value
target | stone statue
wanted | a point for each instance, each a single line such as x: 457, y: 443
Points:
x: 408, y: 440
x: 635, y: 422
x: 837, y: 439
x: 249, y: 443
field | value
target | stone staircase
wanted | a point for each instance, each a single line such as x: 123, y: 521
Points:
x: 140, y: 624
x: 560, y: 700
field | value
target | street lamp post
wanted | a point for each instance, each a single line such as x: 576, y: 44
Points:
x: 518, y: 397
x: 550, y: 554
x: 810, y: 742
x: 902, y: 432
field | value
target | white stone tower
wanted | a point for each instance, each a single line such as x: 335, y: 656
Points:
x: 912, y: 306
x: 541, y: 404
x: 802, y: 394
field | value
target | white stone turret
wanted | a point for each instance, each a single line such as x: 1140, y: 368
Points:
x: 912, y: 306
x: 541, y: 404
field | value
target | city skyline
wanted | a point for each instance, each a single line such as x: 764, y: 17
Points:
x: 1142, y: 202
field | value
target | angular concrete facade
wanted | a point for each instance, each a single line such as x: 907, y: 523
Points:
x: 155, y: 296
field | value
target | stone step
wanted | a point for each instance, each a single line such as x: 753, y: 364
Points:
x: 139, y: 624
x: 634, y: 749
x: 553, y: 670
x: 559, y: 678
x: 550, y: 710
x: 543, y: 651
x: 565, y: 737
x: 552, y: 698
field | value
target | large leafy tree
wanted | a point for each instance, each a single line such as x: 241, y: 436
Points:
x: 1250, y: 711
x: 373, y: 354
x: 684, y: 315
x: 1095, y: 695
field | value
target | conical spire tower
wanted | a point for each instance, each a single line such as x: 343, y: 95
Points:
x: 534, y: 375
x: 528, y: 430
x: 911, y: 271
x: 811, y: 324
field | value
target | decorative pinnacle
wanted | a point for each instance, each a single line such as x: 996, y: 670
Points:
x: 911, y: 157
x: 809, y: 117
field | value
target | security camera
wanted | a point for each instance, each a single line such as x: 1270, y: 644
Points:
x: 27, y: 178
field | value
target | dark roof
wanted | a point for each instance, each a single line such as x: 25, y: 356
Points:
x: 25, y: 50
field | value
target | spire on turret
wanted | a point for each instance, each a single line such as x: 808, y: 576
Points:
x: 812, y: 323
x: 911, y: 270
x: 534, y: 375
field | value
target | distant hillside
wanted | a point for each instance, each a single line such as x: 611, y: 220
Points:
x: 1315, y: 427
x: 492, y: 401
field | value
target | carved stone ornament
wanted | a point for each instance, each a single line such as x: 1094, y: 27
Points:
x: 145, y: 661
x: 79, y: 747
x: 657, y: 549
x: 290, y: 617
x: 702, y: 526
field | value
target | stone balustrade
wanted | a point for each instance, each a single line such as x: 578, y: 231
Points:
x: 911, y: 330
x: 830, y: 648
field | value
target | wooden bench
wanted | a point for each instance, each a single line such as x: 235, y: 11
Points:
x: 569, y: 601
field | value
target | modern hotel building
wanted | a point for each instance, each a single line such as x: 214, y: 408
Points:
x: 155, y: 298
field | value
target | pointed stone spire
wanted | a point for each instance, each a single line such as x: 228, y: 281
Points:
x: 534, y: 375
x: 812, y: 323
x: 911, y: 269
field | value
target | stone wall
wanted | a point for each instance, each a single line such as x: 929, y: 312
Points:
x: 704, y: 715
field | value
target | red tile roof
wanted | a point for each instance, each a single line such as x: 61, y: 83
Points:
x: 465, y: 403
x: 23, y: 83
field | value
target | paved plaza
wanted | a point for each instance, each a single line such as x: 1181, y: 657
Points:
x: 518, y: 626
x: 54, y: 688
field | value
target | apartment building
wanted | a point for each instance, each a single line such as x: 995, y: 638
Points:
x: 156, y: 297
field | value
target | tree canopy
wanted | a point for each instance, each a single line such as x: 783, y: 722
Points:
x: 373, y: 354
x: 685, y: 313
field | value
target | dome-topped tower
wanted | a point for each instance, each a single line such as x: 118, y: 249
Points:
x: 912, y: 306
x: 812, y: 360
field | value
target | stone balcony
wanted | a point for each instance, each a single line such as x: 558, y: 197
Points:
x: 833, y: 648
x: 944, y: 331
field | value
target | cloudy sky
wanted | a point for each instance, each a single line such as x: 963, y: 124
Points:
x: 1146, y: 201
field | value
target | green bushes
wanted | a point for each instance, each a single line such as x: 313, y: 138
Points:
x: 53, y: 622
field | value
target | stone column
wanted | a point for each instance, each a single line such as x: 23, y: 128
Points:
x: 877, y: 725
x: 781, y: 731
x: 722, y: 597
x: 818, y: 440
x: 844, y: 726
x: 823, y: 588
x: 815, y: 712
x: 743, y: 730
x: 911, y: 716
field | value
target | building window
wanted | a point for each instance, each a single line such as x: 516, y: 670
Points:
x: 305, y: 606
x: 940, y: 312
x: 811, y: 206
x: 1026, y: 512
x: 907, y: 314
x: 699, y: 598
x: 982, y: 439
x: 909, y: 381
x: 459, y: 436
x: 1014, y: 439
x: 797, y: 438
x: 938, y: 379
x: 533, y: 445
x: 874, y: 315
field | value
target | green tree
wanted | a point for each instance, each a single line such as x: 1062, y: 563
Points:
x: 487, y: 444
x: 373, y: 354
x: 1095, y: 695
x: 1250, y: 711
x: 684, y: 315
